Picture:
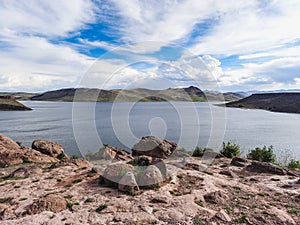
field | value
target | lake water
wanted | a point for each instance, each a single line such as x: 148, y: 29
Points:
x: 122, y: 124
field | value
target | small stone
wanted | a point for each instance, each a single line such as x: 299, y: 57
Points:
x: 222, y: 215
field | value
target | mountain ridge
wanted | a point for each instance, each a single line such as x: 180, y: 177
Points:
x: 288, y: 102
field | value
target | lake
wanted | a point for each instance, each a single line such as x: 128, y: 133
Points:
x: 122, y: 124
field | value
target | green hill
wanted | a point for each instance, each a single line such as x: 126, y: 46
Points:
x: 132, y: 95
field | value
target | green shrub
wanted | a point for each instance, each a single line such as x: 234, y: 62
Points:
x: 230, y: 150
x: 294, y: 164
x: 199, y: 152
x: 263, y: 154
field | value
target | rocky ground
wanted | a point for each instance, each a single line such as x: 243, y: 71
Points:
x: 47, y: 187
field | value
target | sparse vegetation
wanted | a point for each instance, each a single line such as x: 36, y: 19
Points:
x: 89, y: 200
x: 77, y: 181
x: 263, y: 154
x: 230, y: 150
x: 6, y: 200
x: 101, y: 208
x: 199, y: 152
x: 294, y: 164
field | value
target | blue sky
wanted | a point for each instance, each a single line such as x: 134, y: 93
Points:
x: 245, y: 45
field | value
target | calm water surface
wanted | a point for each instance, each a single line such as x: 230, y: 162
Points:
x: 184, y: 123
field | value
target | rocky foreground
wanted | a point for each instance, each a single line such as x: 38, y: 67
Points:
x: 156, y: 184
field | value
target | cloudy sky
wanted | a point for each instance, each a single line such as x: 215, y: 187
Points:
x: 53, y: 44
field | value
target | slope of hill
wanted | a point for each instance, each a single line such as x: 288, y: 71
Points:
x: 138, y: 94
x: 276, y: 102
x: 9, y: 104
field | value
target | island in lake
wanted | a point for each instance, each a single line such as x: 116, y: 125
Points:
x: 8, y: 102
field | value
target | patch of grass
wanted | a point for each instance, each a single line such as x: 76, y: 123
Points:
x: 208, y: 172
x: 89, y: 200
x: 228, y: 210
x: 77, y: 181
x: 153, y: 222
x: 199, y: 202
x: 101, y: 208
x: 61, y: 156
x: 12, y: 178
x: 238, y: 188
x: 68, y: 196
x: 197, y: 221
x: 6, y: 200
x: 179, y: 176
x: 242, y: 219
x: 294, y: 211
x: 91, y: 174
x: 71, y: 204
x: 68, y: 186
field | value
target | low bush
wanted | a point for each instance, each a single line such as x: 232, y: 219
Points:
x: 230, y: 150
x: 199, y: 152
x: 263, y: 154
x: 294, y: 164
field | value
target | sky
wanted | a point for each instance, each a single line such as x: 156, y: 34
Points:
x: 237, y: 45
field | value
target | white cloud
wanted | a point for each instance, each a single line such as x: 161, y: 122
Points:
x: 272, y: 74
x: 254, y: 26
x: 34, y: 63
x: 47, y: 17
x: 28, y: 60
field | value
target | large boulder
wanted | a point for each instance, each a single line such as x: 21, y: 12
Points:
x: 154, y: 147
x: 49, y: 148
x: 150, y: 177
x: 113, y: 173
x: 52, y: 202
x: 11, y: 154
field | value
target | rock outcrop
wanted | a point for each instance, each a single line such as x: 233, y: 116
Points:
x: 52, y: 202
x: 49, y: 148
x: 68, y: 192
x: 154, y: 147
x: 11, y: 154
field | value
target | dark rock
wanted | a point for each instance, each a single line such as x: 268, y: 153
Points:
x: 239, y: 162
x: 52, y: 202
x: 161, y: 199
x: 228, y: 172
x: 216, y: 197
x: 49, y: 148
x: 154, y: 147
x: 264, y: 167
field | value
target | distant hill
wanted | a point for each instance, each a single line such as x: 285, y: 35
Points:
x: 248, y: 93
x: 131, y: 95
x: 8, y: 103
x: 275, y: 102
x: 22, y: 96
